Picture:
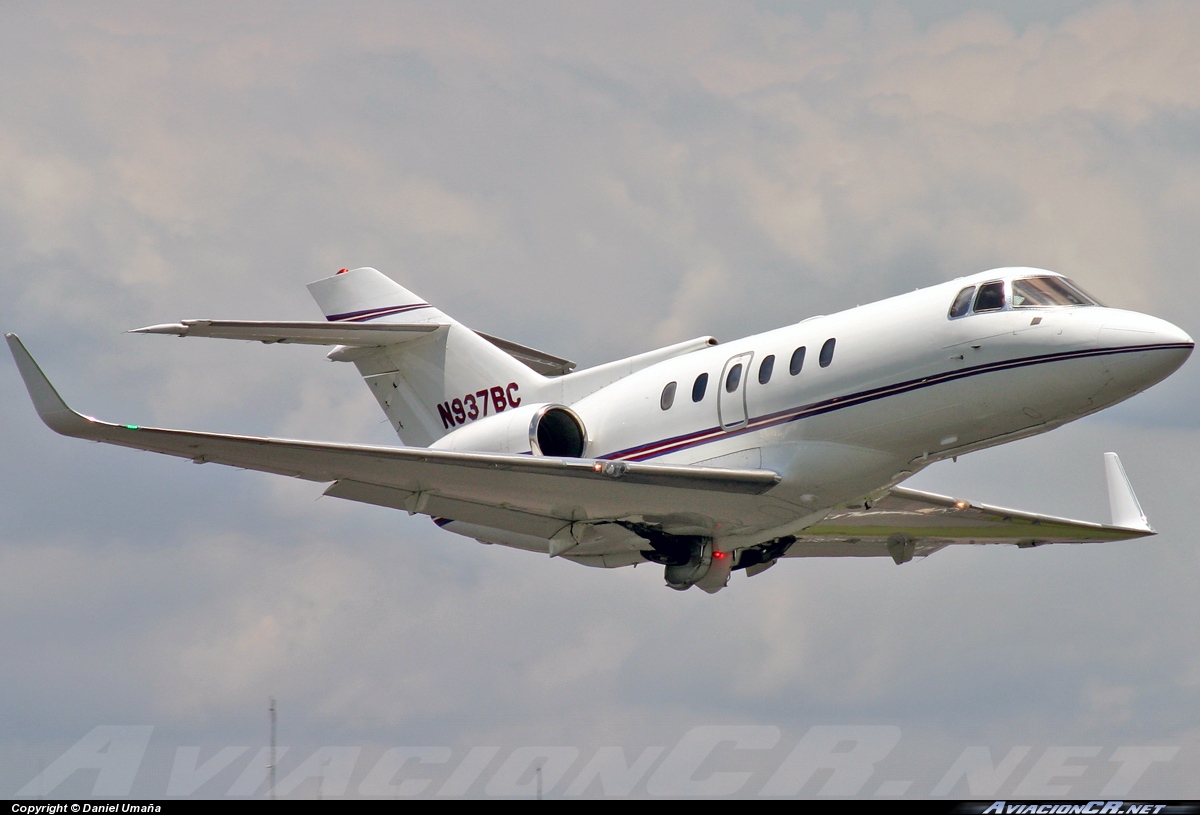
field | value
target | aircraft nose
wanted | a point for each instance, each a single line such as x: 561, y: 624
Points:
x: 1121, y: 328
x: 1148, y: 349
x: 1174, y: 334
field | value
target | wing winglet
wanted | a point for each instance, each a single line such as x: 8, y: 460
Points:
x: 49, y: 405
x: 1126, y: 511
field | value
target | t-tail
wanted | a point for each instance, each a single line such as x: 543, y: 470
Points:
x: 437, y: 374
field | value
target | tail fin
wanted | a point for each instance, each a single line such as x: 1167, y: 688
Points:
x: 429, y: 386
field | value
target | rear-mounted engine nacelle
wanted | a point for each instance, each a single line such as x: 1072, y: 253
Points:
x: 543, y: 430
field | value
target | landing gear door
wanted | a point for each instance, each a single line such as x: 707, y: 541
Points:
x: 731, y: 392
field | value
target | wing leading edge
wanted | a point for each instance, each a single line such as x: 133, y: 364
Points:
x: 532, y: 495
x: 906, y: 523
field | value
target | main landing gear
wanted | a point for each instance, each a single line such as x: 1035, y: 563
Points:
x: 693, y: 560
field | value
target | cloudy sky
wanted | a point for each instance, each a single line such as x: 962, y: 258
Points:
x: 595, y: 180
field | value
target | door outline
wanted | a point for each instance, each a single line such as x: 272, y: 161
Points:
x: 731, y: 406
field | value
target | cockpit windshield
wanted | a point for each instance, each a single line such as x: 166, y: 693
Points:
x: 1043, y: 292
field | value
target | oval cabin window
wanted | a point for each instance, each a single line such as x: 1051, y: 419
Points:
x: 797, y: 363
x: 827, y: 352
x: 668, y: 396
x: 765, y: 369
x: 733, y: 378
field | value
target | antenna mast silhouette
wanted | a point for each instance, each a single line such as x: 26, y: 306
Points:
x: 271, y: 766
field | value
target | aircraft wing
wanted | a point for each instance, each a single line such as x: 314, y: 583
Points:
x: 905, y: 523
x: 529, y: 494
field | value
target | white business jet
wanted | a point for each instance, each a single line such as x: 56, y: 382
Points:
x: 705, y: 458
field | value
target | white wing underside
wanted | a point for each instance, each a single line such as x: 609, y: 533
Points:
x: 533, y: 499
x: 927, y: 522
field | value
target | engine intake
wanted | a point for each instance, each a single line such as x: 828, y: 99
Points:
x: 557, y: 431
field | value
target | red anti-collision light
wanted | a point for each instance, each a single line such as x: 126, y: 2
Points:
x: 719, y: 555
x: 342, y: 271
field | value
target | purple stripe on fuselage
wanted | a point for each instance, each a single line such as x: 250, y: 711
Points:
x: 674, y: 444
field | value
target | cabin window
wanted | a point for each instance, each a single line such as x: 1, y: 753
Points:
x: 827, y: 352
x: 765, y: 369
x: 797, y: 362
x: 733, y: 378
x: 962, y: 303
x: 990, y: 297
x: 699, y: 387
x: 1035, y: 292
x: 668, y: 396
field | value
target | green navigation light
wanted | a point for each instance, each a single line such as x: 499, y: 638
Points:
x: 131, y: 427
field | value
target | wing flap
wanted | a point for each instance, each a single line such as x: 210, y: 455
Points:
x: 428, y: 503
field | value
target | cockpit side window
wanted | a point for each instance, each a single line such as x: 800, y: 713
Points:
x: 1043, y: 292
x: 962, y: 303
x: 990, y: 297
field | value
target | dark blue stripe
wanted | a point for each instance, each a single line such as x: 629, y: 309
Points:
x: 677, y: 443
x: 373, y: 313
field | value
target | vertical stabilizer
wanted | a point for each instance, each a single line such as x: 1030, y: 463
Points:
x: 429, y: 386
x: 366, y: 295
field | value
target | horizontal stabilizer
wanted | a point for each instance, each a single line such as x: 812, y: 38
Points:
x: 303, y: 333
x: 352, y: 335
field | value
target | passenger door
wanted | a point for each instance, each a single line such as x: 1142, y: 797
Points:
x: 731, y: 392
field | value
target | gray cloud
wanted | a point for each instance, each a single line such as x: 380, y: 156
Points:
x: 594, y: 182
